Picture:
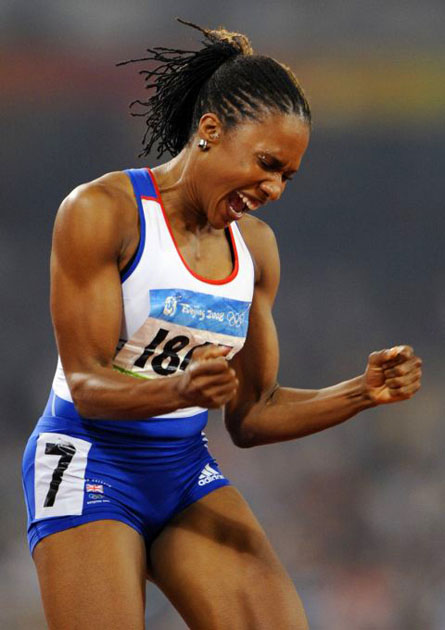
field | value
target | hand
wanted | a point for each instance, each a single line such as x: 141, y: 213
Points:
x: 209, y: 382
x: 392, y: 375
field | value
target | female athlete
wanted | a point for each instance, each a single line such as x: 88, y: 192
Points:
x: 162, y: 289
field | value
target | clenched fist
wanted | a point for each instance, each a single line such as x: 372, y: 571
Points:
x: 209, y: 382
x: 392, y: 375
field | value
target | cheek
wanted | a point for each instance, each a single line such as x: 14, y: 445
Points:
x: 234, y: 153
x: 237, y: 168
x: 227, y: 170
x: 244, y: 165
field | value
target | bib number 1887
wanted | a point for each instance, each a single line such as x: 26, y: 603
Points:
x: 169, y: 360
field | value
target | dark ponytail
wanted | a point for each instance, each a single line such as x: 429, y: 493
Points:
x: 223, y: 77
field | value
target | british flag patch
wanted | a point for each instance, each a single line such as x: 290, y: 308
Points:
x: 94, y: 487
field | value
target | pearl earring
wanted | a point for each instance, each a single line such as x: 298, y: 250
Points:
x: 203, y: 145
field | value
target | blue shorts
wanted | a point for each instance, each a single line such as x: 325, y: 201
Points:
x: 77, y: 470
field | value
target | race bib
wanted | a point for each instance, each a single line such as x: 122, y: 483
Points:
x: 178, y: 323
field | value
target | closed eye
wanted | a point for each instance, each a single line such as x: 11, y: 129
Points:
x: 268, y: 166
x: 274, y: 166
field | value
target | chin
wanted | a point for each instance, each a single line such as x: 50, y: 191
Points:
x: 219, y: 225
x: 218, y: 221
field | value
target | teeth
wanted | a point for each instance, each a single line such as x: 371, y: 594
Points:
x: 252, y: 205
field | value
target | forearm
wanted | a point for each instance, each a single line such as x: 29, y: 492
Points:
x: 104, y: 393
x: 288, y: 413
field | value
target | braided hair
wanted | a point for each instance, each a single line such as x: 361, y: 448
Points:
x: 224, y: 77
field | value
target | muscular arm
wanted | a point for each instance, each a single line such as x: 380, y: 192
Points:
x: 262, y: 412
x: 92, y: 228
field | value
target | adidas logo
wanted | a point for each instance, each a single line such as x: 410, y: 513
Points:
x: 208, y: 474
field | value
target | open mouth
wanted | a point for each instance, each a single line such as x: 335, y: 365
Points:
x: 239, y: 204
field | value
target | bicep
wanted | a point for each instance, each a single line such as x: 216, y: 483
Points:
x: 85, y: 284
x: 256, y: 365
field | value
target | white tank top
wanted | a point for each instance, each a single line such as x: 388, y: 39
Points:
x: 168, y: 309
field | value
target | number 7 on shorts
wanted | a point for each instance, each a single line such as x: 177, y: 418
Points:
x: 59, y: 475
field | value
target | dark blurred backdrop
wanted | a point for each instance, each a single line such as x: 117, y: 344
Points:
x: 355, y: 513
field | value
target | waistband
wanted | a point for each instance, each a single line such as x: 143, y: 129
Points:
x: 58, y: 408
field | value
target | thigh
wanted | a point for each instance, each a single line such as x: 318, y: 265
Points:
x: 215, y: 564
x: 93, y: 576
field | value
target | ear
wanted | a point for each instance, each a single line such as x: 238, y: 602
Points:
x: 210, y: 128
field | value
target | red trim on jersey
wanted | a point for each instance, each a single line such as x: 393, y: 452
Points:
x: 196, y: 275
x: 150, y: 198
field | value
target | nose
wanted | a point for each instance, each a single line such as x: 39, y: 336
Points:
x: 272, y: 188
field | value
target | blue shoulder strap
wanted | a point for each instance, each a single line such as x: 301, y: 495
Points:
x: 143, y: 187
x: 142, y: 182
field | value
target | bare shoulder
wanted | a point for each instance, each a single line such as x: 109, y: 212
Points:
x: 110, y: 194
x: 104, y: 207
x: 260, y: 239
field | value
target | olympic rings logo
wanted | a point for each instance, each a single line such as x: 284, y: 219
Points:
x: 235, y: 319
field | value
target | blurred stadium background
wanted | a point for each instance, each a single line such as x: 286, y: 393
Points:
x: 355, y: 513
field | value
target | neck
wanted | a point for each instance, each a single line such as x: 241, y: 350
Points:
x: 176, y: 182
